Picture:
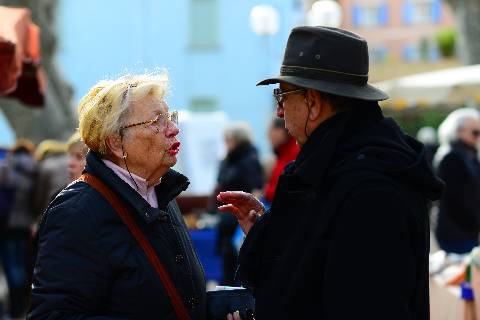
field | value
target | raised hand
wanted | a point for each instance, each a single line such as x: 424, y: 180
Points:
x: 244, y: 206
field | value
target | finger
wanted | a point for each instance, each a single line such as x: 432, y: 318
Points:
x: 229, y: 196
x: 229, y: 316
x: 227, y: 208
x: 236, y: 315
x: 232, y: 209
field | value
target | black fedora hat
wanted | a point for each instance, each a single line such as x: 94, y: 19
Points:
x: 330, y: 60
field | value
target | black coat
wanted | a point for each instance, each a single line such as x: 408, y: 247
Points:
x: 89, y: 266
x: 347, y: 236
x: 240, y: 171
x: 459, y: 209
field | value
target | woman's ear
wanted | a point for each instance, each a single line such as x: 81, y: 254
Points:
x: 114, y: 143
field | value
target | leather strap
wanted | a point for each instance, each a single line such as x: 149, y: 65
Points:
x: 112, y: 198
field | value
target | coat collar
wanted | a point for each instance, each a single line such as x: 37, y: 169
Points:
x: 316, y: 154
x: 173, y: 183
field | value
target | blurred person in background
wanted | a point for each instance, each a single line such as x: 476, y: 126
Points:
x: 52, y: 172
x: 77, y: 151
x: 19, y: 173
x: 428, y: 136
x: 89, y: 264
x: 286, y: 150
x: 457, y: 163
x: 346, y: 236
x: 240, y: 170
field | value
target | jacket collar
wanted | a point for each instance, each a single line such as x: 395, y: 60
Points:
x: 316, y: 154
x: 172, y: 184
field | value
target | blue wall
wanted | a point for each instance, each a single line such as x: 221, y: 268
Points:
x: 104, y: 39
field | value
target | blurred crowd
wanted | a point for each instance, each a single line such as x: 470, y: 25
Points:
x: 30, y: 177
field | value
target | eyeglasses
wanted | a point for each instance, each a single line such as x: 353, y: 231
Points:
x: 280, y: 95
x: 161, y: 120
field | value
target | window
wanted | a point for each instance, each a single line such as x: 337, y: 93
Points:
x: 203, y: 25
x: 422, y: 11
x: 370, y: 15
x: 411, y: 53
x: 424, y: 50
x: 203, y: 104
x: 378, y: 55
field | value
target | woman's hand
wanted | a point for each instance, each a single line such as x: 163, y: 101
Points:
x: 244, y: 206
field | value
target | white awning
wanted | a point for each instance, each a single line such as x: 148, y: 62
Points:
x: 449, y: 87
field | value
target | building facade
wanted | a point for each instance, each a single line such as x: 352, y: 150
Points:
x: 398, y: 30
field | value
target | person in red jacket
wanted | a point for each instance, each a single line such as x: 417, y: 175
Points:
x: 286, y: 150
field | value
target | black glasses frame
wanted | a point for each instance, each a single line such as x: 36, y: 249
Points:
x: 280, y: 95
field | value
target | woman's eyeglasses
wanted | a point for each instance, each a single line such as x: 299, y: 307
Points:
x: 161, y: 120
x: 280, y: 95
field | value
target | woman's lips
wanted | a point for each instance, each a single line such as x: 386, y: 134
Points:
x: 173, y: 150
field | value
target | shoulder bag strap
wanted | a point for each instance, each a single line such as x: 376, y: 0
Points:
x: 172, y: 292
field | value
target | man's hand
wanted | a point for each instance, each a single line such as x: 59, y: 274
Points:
x: 234, y: 316
x: 244, y: 206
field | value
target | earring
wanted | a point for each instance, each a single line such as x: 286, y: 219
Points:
x: 124, y: 156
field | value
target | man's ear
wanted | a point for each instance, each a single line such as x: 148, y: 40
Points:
x: 114, y: 143
x: 315, y: 104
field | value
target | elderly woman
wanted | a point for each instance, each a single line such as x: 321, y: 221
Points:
x: 89, y: 264
x: 457, y: 163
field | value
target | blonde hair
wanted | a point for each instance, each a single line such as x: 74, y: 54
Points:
x: 48, y: 147
x: 102, y: 111
x: 76, y: 140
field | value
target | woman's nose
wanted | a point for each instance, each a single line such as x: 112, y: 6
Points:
x: 172, y: 130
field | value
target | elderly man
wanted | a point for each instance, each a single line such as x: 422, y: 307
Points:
x: 347, y: 235
x: 457, y: 163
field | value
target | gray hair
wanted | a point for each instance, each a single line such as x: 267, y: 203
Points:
x: 449, y: 128
x: 240, y: 132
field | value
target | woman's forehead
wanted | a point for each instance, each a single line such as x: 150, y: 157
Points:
x: 150, y: 105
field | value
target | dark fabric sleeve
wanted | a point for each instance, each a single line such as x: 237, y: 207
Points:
x: 70, y: 278
x: 462, y: 189
x: 371, y: 270
x: 249, y: 257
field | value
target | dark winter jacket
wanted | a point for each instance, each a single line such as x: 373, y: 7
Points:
x: 347, y: 236
x: 21, y: 174
x: 239, y: 171
x: 89, y: 266
x: 459, y: 209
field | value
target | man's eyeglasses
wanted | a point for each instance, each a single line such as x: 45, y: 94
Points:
x: 161, y: 120
x: 475, y: 132
x: 280, y: 95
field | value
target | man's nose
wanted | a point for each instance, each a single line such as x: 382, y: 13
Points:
x: 280, y: 112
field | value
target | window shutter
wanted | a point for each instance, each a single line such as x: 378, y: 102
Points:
x: 436, y: 11
x: 407, y: 12
x: 357, y: 16
x: 383, y: 15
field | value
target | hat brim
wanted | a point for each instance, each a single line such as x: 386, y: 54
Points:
x: 366, y: 92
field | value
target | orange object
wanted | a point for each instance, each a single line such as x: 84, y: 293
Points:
x: 458, y: 279
x: 21, y: 75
